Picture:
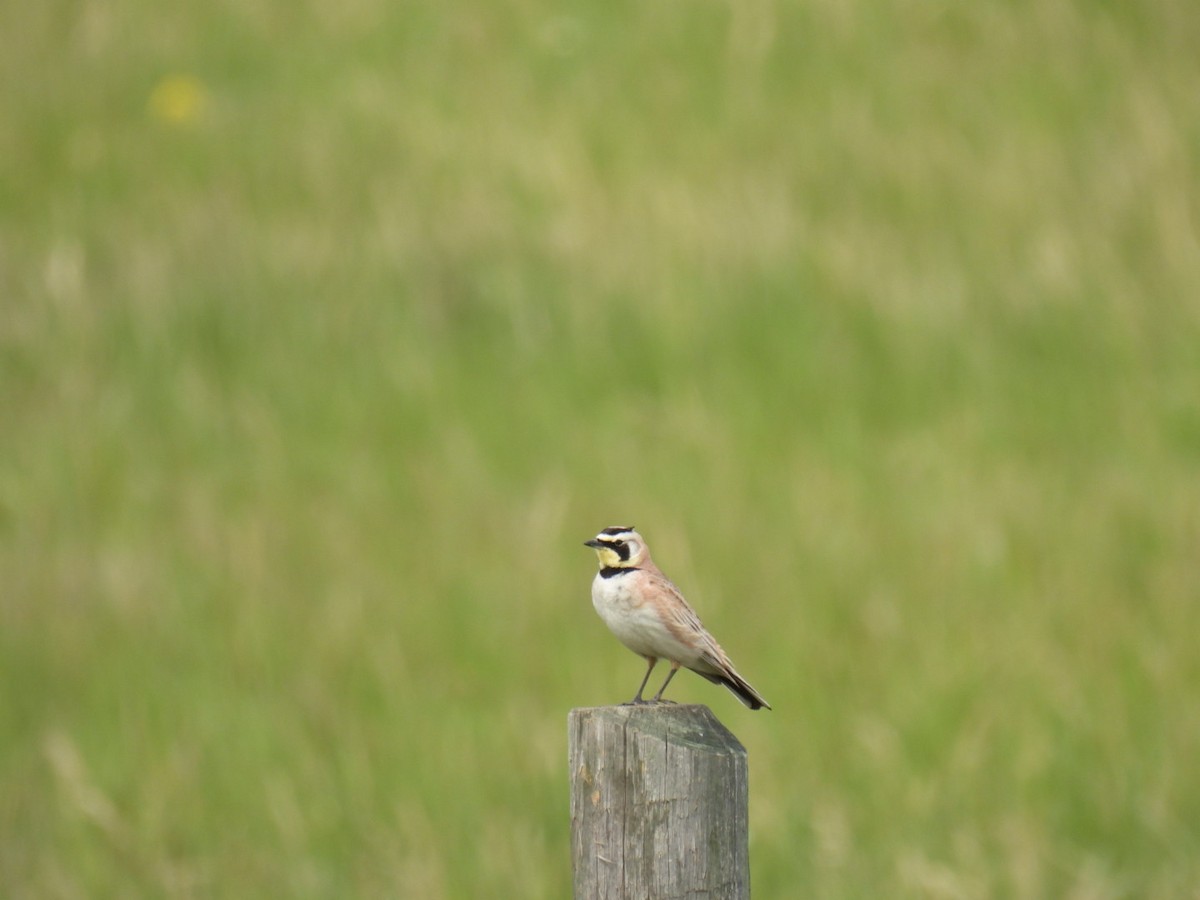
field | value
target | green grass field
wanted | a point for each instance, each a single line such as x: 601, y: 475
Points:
x: 328, y: 332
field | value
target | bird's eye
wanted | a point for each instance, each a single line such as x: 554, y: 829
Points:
x: 618, y: 543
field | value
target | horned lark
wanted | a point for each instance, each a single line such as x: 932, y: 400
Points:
x: 650, y: 617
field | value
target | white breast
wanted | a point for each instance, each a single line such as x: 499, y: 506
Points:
x: 634, y: 622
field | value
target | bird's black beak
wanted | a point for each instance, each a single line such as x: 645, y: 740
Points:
x: 594, y: 544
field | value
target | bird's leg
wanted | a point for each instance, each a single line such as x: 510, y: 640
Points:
x: 657, y: 698
x: 637, y: 698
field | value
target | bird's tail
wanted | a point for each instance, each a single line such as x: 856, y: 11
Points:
x: 738, y: 686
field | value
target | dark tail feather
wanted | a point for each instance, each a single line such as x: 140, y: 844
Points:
x: 739, y: 687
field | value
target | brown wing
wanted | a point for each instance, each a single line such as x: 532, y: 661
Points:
x: 682, y: 621
x: 714, y: 664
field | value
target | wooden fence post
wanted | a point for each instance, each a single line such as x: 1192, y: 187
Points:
x: 659, y: 802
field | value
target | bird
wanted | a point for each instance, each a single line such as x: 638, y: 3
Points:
x: 648, y: 615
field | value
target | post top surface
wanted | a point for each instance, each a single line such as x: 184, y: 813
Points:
x: 690, y: 724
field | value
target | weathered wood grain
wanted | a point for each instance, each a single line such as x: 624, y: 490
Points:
x: 659, y: 803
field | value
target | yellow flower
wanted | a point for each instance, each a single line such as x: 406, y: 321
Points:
x: 178, y: 99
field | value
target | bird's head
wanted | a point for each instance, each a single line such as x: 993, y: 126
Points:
x: 619, y: 547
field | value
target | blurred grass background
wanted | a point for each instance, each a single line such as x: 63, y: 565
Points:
x: 330, y: 331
